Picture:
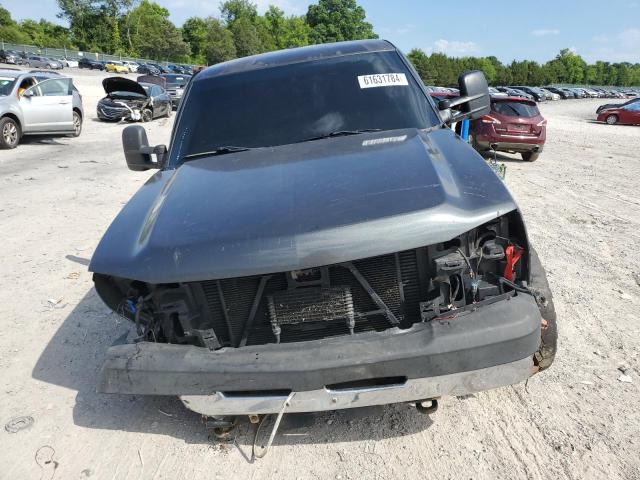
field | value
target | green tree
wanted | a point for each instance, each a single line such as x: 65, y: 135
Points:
x: 245, y: 37
x: 153, y: 35
x: 116, y: 41
x: 570, y: 67
x: 285, y: 32
x: 91, y: 22
x: 338, y: 20
x: 219, y: 46
x: 9, y: 29
x: 233, y: 10
x: 195, y: 31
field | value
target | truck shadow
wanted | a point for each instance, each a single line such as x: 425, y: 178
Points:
x: 75, y: 354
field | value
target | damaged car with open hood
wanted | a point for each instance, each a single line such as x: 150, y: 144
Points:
x: 129, y: 100
x: 316, y: 237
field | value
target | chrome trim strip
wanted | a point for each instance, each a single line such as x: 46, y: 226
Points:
x: 463, y: 383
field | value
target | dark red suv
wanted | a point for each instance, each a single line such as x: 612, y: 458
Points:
x: 514, y: 125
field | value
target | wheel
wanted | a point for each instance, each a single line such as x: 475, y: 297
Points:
x: 49, y: 66
x: 77, y: 124
x: 9, y: 133
x: 530, y: 156
x: 612, y: 119
x: 147, y: 115
x: 169, y: 111
x: 549, y: 332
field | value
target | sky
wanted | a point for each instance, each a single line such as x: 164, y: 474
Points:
x: 596, y: 30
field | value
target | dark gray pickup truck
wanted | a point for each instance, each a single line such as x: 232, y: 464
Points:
x: 318, y: 238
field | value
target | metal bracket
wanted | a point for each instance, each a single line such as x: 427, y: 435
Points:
x: 208, y: 337
x: 254, y: 309
x: 374, y: 296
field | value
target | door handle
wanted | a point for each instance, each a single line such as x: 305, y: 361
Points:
x: 65, y: 102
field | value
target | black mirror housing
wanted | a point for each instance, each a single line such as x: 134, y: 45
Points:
x: 473, y: 85
x: 137, y: 151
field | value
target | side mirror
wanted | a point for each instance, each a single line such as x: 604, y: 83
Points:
x: 473, y: 85
x: 28, y: 94
x: 137, y: 151
x: 474, y: 99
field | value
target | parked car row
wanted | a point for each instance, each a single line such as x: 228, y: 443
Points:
x: 129, y: 66
x: 43, y: 102
x: 542, y: 94
x: 118, y: 66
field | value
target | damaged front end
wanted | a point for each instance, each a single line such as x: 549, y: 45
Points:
x: 126, y: 100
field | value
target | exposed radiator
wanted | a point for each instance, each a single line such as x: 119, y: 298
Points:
x: 239, y: 308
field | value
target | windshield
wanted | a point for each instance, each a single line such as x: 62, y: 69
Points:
x: 293, y: 103
x: 6, y: 85
x: 516, y: 109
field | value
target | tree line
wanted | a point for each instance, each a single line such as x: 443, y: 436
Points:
x: 566, y: 68
x: 142, y: 28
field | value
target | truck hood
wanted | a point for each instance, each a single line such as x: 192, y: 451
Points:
x: 300, y: 206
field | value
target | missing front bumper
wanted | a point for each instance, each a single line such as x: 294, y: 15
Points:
x: 484, y: 349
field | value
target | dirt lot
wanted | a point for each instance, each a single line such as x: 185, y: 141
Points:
x: 578, y: 420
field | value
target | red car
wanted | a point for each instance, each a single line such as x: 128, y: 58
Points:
x: 514, y: 125
x: 628, y: 114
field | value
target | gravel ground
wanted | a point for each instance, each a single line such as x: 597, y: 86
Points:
x: 577, y: 420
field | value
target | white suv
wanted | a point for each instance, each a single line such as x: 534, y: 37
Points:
x: 35, y: 108
x: 132, y: 66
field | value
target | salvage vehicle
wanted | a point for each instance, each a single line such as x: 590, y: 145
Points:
x: 114, y: 66
x: 148, y: 69
x: 350, y: 251
x: 11, y: 57
x: 617, y: 105
x: 513, y: 125
x: 131, y: 65
x: 537, y: 94
x: 514, y: 92
x: 627, y: 114
x: 69, y: 62
x: 43, y: 62
x: 132, y: 101
x: 90, y: 64
x: 175, y: 86
x: 29, y: 107
x: 561, y: 92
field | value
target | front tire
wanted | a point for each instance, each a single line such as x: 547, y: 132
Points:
x: 9, y: 133
x: 77, y: 124
x: 147, y: 115
x: 611, y: 119
x: 530, y: 156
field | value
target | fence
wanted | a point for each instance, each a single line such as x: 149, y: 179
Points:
x: 71, y: 53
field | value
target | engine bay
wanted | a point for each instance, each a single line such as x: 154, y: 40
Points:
x: 432, y: 283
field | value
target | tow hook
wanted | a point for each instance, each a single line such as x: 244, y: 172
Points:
x: 428, y: 406
x: 221, y: 427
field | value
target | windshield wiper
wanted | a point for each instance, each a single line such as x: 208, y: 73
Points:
x: 341, y: 133
x: 216, y: 151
